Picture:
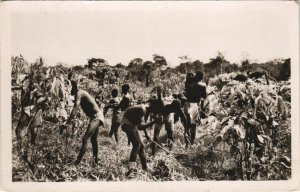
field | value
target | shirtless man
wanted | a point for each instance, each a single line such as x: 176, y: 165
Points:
x: 159, y: 108
x: 180, y: 98
x: 195, y: 93
x: 114, y: 104
x: 131, y: 124
x: 125, y: 103
x: 127, y: 98
x: 91, y: 109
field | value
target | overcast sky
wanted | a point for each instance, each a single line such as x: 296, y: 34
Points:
x: 120, y: 32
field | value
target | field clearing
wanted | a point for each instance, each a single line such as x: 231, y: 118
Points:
x: 244, y: 130
x: 113, y: 159
x: 52, y: 159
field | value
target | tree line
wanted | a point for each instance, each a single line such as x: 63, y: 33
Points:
x: 147, y: 71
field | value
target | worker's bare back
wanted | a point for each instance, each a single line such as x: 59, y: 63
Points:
x: 87, y: 103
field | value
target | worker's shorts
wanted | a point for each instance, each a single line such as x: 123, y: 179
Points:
x: 99, y: 116
x: 192, y: 111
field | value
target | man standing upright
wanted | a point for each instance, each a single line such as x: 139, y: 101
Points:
x: 124, y: 104
x: 114, y: 104
x: 127, y: 98
x: 195, y: 90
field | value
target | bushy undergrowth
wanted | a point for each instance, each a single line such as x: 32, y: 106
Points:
x: 245, y: 134
x: 52, y: 158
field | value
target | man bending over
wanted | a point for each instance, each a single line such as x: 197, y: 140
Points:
x: 91, y: 109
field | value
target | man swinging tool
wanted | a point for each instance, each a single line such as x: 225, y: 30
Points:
x: 131, y: 123
x: 166, y: 111
x: 91, y: 109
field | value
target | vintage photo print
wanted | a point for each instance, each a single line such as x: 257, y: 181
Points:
x: 150, y: 96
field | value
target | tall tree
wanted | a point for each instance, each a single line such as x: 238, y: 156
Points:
x: 120, y: 65
x: 159, y: 61
x: 96, y: 62
x: 216, y: 65
x: 197, y: 65
x: 135, y: 62
x: 135, y: 68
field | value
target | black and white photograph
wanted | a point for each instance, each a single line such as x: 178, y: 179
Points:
x: 156, y: 92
